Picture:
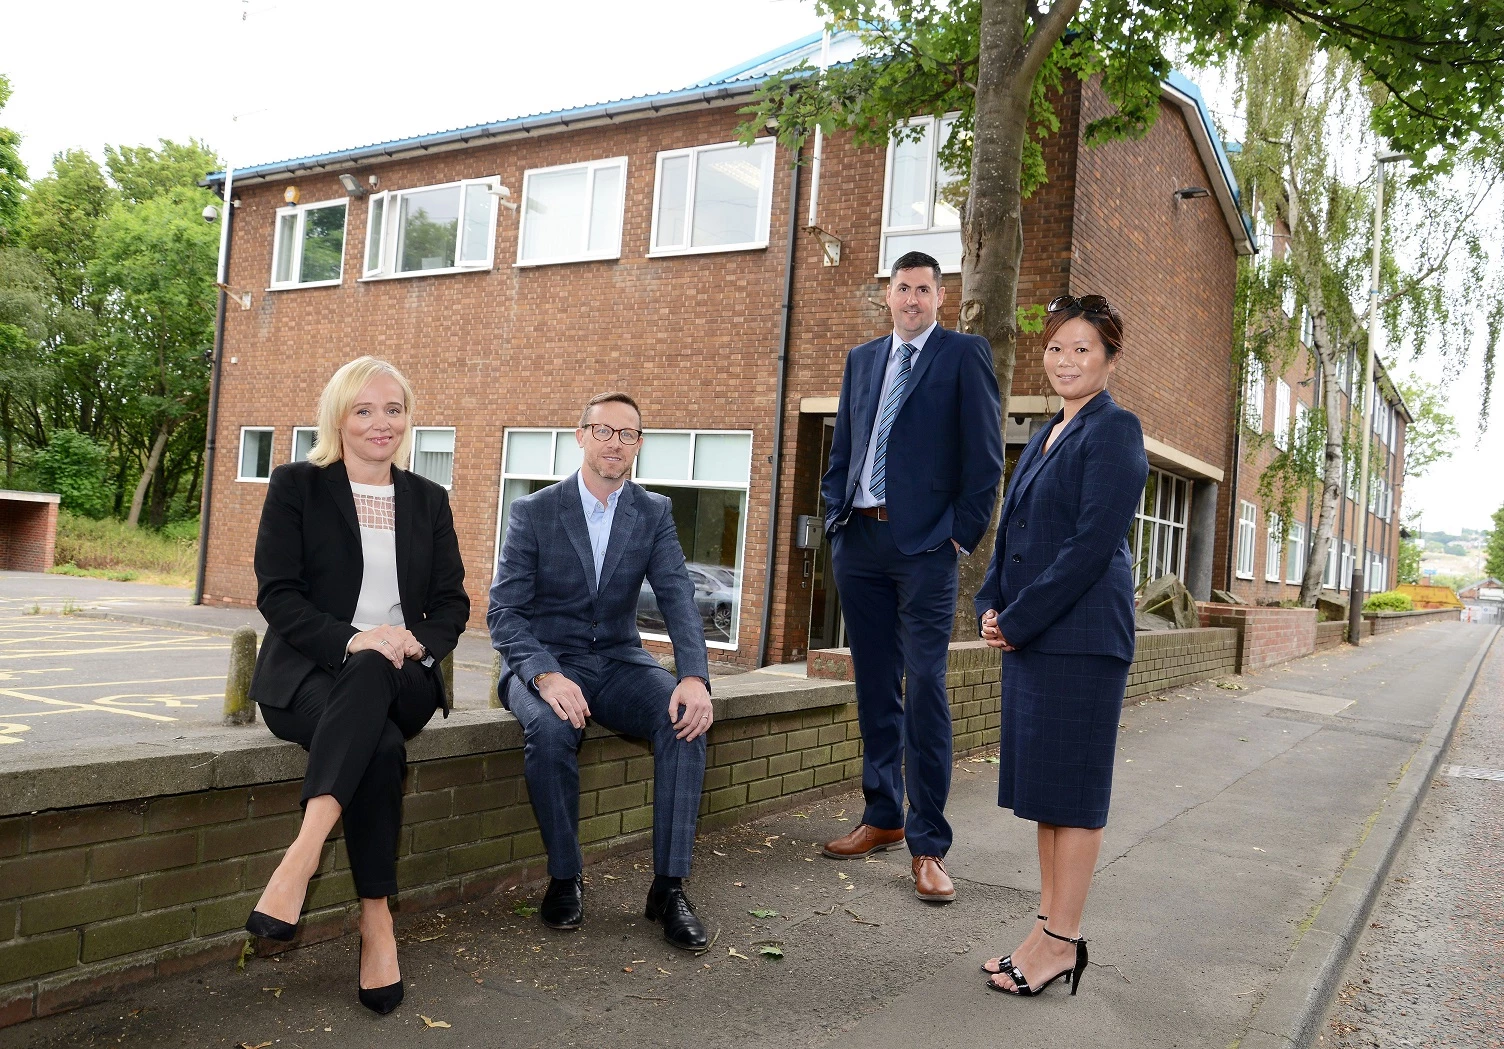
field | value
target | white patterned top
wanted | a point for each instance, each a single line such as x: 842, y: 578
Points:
x: 380, y: 601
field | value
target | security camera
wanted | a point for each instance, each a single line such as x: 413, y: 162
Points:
x: 211, y: 213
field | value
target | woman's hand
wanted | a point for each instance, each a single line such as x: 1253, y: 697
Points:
x: 991, y: 634
x: 395, y: 642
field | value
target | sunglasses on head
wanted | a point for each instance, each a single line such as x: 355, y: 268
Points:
x: 1086, y: 304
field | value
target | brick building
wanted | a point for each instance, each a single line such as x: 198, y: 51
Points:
x: 513, y: 269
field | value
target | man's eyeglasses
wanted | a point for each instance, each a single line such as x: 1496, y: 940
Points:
x: 603, y: 433
x: 1086, y: 304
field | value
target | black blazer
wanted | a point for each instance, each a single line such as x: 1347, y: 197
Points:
x: 1061, y: 577
x: 309, y: 566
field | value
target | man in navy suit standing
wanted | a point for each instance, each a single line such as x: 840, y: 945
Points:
x: 914, y: 467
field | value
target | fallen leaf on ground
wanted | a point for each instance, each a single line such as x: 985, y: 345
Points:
x: 427, y: 1022
x: 801, y: 815
x: 740, y: 884
x: 763, y: 913
x: 771, y: 952
x: 1231, y: 686
x: 841, y: 876
x: 737, y: 954
x: 258, y: 1045
x: 626, y: 968
x: 610, y: 877
x: 276, y: 991
x: 716, y: 852
x: 246, y: 953
x: 770, y: 839
x: 664, y: 971
x: 1257, y: 849
x: 992, y: 761
x: 523, y: 910
x: 755, y: 852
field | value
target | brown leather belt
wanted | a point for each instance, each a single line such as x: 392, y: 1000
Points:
x: 879, y: 512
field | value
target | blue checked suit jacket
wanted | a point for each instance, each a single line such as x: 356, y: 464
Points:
x: 945, y: 450
x: 1061, y: 577
x: 545, y: 602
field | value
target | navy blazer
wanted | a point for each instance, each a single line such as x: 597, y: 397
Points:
x: 545, y: 602
x: 309, y: 566
x: 945, y: 451
x: 1061, y: 577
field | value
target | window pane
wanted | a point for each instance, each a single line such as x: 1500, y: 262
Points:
x: 302, y: 443
x: 567, y: 454
x: 375, y: 234
x: 950, y: 188
x: 511, y: 491
x: 530, y: 452
x: 287, y: 226
x: 256, y: 454
x: 476, y: 246
x: 433, y: 455
x: 664, y: 457
x: 709, y: 523
x: 673, y: 201
x: 728, y: 194
x: 945, y: 246
x: 440, y: 440
x: 909, y: 191
x: 555, y: 219
x: 323, y: 243
x: 723, y: 457
x: 428, y: 223
x: 605, y: 211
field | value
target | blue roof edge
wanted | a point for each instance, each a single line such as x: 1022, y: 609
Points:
x: 1180, y: 82
x: 767, y: 56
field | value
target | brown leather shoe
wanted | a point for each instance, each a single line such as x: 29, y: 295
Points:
x: 931, y: 881
x: 864, y: 841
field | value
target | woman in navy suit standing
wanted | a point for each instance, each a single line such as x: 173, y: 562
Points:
x: 1058, y: 601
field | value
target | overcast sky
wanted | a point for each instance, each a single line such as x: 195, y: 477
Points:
x: 264, y: 80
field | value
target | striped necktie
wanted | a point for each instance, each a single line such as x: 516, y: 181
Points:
x: 885, y: 416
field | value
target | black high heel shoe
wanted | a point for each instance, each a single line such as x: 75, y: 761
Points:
x: 1006, y: 961
x: 1072, y: 975
x: 380, y: 1000
x: 269, y: 928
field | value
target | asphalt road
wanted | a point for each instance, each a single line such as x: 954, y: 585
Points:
x: 1429, y: 971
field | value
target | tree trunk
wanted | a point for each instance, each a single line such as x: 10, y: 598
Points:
x: 134, y: 517
x: 1009, y: 58
x: 1331, y: 474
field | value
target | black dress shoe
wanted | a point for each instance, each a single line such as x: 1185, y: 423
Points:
x: 673, y: 910
x: 563, y: 903
x: 269, y: 928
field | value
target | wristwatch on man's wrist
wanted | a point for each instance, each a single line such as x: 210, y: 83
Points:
x: 538, y: 678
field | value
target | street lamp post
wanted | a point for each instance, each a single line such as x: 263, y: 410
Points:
x: 1356, y: 588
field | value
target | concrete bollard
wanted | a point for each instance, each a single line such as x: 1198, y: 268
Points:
x: 495, y: 679
x: 239, y: 710
x: 446, y: 670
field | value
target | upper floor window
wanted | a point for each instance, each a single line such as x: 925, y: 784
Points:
x: 1281, y: 414
x: 432, y: 229
x: 922, y: 198
x: 308, y: 248
x: 1253, y: 397
x: 572, y: 213
x: 713, y: 198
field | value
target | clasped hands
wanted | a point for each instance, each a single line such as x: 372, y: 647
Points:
x: 567, y: 701
x: 991, y: 634
x: 395, y: 642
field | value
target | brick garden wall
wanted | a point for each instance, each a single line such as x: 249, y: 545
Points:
x: 1266, y: 635
x: 28, y: 532
x: 1330, y: 635
x: 1388, y: 622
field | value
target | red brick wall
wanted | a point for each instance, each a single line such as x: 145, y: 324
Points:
x: 1266, y: 635
x: 28, y: 535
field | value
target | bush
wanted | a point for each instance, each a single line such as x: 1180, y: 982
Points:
x: 1389, y: 601
x: 73, y: 466
x: 108, y: 548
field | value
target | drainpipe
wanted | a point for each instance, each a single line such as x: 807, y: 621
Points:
x: 819, y: 152
x: 227, y: 217
x: 1233, y: 510
x: 783, y: 378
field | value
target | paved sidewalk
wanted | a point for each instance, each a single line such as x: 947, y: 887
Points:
x: 1236, y: 812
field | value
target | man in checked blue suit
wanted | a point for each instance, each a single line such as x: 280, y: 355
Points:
x: 563, y: 616
x: 914, y: 467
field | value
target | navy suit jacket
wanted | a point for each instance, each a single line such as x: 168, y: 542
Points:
x: 545, y: 602
x: 945, y: 450
x: 1061, y: 577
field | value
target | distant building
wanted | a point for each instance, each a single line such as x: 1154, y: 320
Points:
x: 1483, y: 601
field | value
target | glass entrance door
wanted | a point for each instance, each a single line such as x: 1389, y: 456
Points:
x: 827, y: 627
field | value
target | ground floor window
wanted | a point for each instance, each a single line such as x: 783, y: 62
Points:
x: 1329, y: 576
x: 1295, y: 554
x: 303, y: 438
x: 1273, y: 549
x: 1248, y: 517
x: 704, y: 473
x: 1159, y: 527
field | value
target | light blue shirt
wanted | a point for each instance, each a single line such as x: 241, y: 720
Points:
x: 598, y: 518
x: 864, y: 484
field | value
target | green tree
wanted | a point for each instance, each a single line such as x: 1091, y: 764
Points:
x: 25, y: 300
x: 1493, y: 549
x: 1436, y: 70
x: 1432, y: 436
x: 1407, y: 564
x: 74, y: 467
x: 12, y: 172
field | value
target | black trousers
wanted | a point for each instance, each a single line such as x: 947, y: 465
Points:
x: 355, y: 726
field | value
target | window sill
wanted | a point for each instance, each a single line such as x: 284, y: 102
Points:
x: 255, y: 480
x: 524, y: 264
x: 447, y: 271
x: 307, y: 284
x: 716, y: 249
x: 725, y: 646
x: 1240, y: 575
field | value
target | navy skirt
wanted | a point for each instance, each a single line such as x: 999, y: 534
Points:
x: 1059, y: 736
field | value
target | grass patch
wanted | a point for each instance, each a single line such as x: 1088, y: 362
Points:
x: 107, y: 549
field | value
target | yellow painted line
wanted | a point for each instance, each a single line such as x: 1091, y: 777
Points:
x: 80, y: 707
x: 145, y: 646
x: 150, y: 698
x: 9, y: 731
x: 112, y: 684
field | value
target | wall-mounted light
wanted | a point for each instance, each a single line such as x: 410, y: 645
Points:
x: 1192, y: 193
x: 503, y: 197
x: 291, y: 194
x: 373, y: 181
x: 351, y: 186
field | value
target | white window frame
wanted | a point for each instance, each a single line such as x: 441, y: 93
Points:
x: 301, y: 211
x: 1253, y: 397
x: 1329, y: 571
x: 590, y: 167
x: 763, y: 221
x: 1248, y: 519
x: 1345, y: 572
x: 1281, y: 415
x: 1150, y: 568
x: 387, y: 233
x: 745, y: 487
x: 271, y: 456
x: 412, y: 457
x: 1274, y: 550
x: 1302, y: 421
x: 1295, y: 553
x: 292, y: 450
x: 933, y: 127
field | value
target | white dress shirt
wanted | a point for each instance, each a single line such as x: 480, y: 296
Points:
x: 864, y: 485
x: 598, y: 518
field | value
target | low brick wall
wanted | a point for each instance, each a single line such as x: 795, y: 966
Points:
x: 1330, y: 635
x: 116, y: 870
x: 1387, y: 622
x: 1266, y: 636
